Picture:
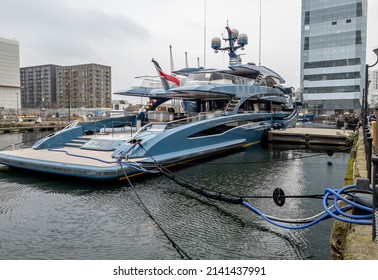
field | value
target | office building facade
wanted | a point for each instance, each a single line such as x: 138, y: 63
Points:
x: 9, y: 77
x: 333, y: 55
x: 84, y: 86
x: 38, y: 86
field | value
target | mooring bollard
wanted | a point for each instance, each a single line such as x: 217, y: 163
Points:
x: 366, y: 134
x: 369, y: 143
x: 375, y: 197
x: 375, y: 213
x: 362, y: 184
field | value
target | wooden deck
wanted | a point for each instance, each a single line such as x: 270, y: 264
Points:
x: 311, y: 136
x: 67, y: 156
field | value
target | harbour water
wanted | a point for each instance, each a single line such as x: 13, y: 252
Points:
x: 55, y: 218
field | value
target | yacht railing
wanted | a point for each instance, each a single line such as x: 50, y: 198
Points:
x: 148, y: 82
x: 113, y: 128
x: 210, y: 78
x: 161, y: 126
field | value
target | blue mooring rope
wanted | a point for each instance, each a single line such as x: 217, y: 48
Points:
x: 338, y: 213
x: 355, y: 219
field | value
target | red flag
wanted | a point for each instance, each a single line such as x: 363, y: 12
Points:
x: 166, y: 77
x: 170, y: 78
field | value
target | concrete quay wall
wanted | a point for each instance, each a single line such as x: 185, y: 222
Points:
x: 350, y: 241
x: 19, y: 127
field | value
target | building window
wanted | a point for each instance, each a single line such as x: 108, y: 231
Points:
x: 358, y: 37
x: 359, y: 9
x: 340, y: 12
x: 333, y: 40
x: 307, y: 18
x: 331, y: 89
x: 334, y: 22
x: 333, y: 76
x: 307, y: 43
x: 332, y: 63
x: 348, y: 21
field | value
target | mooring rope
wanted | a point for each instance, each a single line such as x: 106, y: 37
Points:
x: 335, y: 195
x: 149, y: 214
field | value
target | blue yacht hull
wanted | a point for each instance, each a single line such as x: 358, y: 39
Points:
x: 114, y: 159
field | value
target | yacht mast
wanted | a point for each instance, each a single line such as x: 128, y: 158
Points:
x: 204, y: 38
x: 171, y: 58
x: 235, y: 41
x: 260, y: 37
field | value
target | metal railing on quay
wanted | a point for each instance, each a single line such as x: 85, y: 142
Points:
x: 372, y: 170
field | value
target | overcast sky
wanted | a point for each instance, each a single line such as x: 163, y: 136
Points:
x: 126, y: 34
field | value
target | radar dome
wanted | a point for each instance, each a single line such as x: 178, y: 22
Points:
x: 243, y: 39
x: 215, y: 43
x: 235, y: 33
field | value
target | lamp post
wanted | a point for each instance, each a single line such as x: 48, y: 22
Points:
x: 374, y: 179
x: 365, y: 96
x: 69, y: 106
x: 68, y: 94
x: 17, y: 104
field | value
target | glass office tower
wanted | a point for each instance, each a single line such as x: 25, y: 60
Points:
x: 333, y: 55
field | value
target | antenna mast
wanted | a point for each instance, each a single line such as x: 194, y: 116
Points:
x: 204, y: 38
x: 171, y: 58
x: 260, y: 38
x: 235, y: 41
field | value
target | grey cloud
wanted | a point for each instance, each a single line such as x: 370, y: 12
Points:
x: 58, y: 30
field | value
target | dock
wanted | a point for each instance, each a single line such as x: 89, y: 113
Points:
x: 311, y: 136
x: 30, y: 127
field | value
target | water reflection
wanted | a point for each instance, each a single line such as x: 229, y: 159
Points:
x: 25, y: 140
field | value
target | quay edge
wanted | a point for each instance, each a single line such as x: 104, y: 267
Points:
x: 350, y: 241
x: 312, y: 136
x: 30, y: 127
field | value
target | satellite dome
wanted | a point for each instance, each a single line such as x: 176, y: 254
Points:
x: 216, y: 43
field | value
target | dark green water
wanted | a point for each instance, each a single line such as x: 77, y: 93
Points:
x: 51, y: 218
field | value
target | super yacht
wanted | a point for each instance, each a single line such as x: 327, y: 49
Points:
x: 221, y: 110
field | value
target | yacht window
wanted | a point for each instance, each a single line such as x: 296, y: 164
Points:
x: 216, y: 78
x: 157, y: 127
x: 214, y: 130
x: 225, y: 127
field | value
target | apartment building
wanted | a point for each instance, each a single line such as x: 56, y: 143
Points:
x: 38, y: 86
x: 84, y: 86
